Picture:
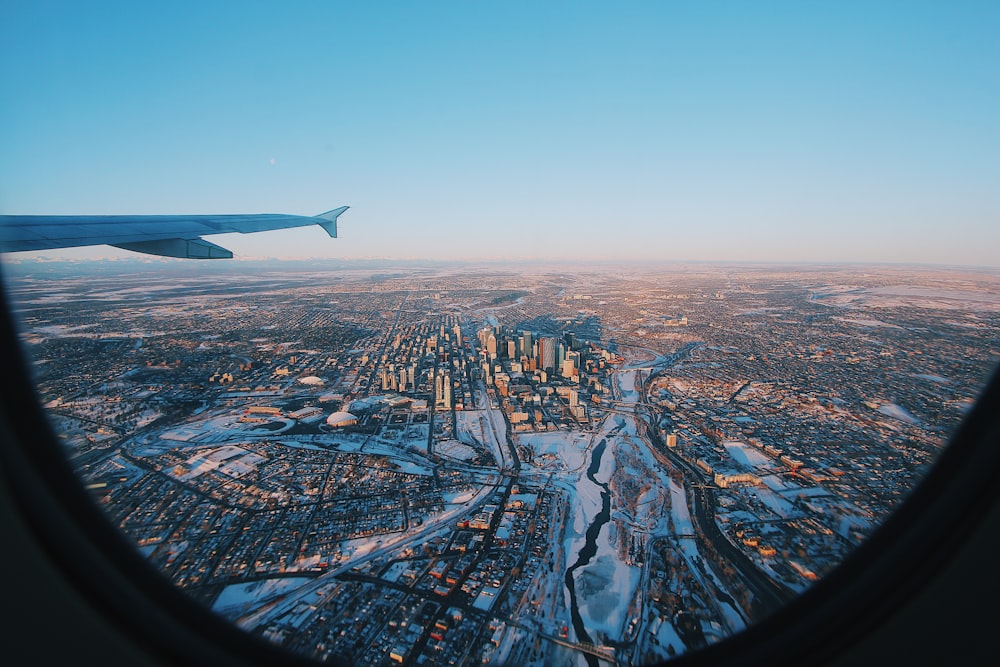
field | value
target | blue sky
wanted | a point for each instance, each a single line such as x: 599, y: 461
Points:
x: 799, y: 131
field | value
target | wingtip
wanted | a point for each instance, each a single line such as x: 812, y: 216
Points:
x: 328, y: 220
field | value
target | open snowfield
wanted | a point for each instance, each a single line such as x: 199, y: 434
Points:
x: 913, y: 296
x: 626, y: 382
x: 454, y: 449
x: 867, y: 322
x: 470, y: 426
x: 747, y: 457
x: 774, y: 502
x: 237, y: 599
x: 679, y: 510
x: 558, y: 450
x: 898, y: 412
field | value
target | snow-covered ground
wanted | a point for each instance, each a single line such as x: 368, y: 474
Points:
x: 237, y: 599
x: 867, y: 322
x: 470, y: 426
x: 455, y: 450
x: 748, y: 457
x: 898, y: 412
x: 908, y: 296
x: 626, y: 383
x: 774, y: 502
x: 603, y: 589
x: 679, y: 510
x: 558, y: 450
x: 933, y: 378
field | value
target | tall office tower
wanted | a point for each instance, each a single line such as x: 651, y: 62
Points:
x: 511, y: 349
x: 410, y: 373
x: 570, y: 340
x: 446, y: 394
x: 547, y: 353
x: 574, y: 398
x: 439, y: 387
x: 457, y: 331
x: 402, y: 379
x: 568, y: 368
x: 385, y: 378
x: 526, y: 347
x: 491, y: 345
x: 560, y: 355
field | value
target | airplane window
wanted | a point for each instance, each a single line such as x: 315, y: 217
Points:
x: 623, y: 348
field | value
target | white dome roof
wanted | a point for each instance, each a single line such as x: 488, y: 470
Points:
x: 339, y: 418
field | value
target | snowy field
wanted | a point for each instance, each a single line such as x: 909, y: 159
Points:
x: 470, y: 426
x: 747, y: 457
x: 454, y: 449
x: 626, y: 382
x: 237, y: 599
x: 908, y: 296
x: 898, y: 412
x: 867, y: 323
x: 558, y: 450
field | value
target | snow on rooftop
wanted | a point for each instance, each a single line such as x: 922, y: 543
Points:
x: 341, y: 418
x: 366, y: 403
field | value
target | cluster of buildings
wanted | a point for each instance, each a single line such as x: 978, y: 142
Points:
x: 543, y: 382
x: 325, y: 435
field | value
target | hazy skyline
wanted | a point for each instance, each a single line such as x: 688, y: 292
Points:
x: 717, y: 132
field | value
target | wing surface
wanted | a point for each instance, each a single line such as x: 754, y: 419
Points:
x: 166, y: 235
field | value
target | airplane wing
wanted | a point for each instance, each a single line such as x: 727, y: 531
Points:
x: 166, y: 235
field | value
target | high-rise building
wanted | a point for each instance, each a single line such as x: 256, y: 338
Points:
x: 491, y: 345
x: 439, y: 386
x: 547, y: 353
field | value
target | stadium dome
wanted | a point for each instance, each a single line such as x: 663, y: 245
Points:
x: 341, y: 419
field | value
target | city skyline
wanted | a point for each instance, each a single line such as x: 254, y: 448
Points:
x: 730, y: 134
x: 465, y: 465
